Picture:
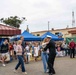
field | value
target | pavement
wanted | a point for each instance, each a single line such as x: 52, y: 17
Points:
x: 63, y: 66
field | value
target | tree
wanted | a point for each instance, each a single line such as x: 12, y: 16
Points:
x: 13, y: 21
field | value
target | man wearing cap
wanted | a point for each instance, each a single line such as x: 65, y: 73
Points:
x: 52, y: 54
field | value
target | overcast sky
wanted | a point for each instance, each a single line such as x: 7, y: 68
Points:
x: 39, y: 12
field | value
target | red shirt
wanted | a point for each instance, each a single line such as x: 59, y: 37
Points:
x: 11, y: 47
x: 72, y: 45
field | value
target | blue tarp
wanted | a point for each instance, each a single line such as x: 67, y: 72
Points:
x: 54, y: 37
x: 29, y: 37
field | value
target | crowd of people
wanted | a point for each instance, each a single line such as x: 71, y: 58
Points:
x: 47, y: 50
x: 65, y: 49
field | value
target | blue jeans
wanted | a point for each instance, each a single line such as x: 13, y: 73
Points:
x: 44, y: 56
x: 20, y: 62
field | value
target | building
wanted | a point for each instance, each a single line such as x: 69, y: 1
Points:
x: 8, y: 31
x: 67, y: 32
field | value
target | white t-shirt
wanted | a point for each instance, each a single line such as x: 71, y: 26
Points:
x: 35, y: 51
x: 27, y: 47
x: 43, y: 45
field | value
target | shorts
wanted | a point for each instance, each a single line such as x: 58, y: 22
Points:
x: 4, y: 54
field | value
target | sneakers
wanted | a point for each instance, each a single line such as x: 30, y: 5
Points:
x: 24, y: 73
x: 15, y: 71
x: 3, y: 65
x: 50, y: 74
x: 47, y: 71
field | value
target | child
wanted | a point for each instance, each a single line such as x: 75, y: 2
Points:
x: 59, y: 52
x: 36, y: 51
